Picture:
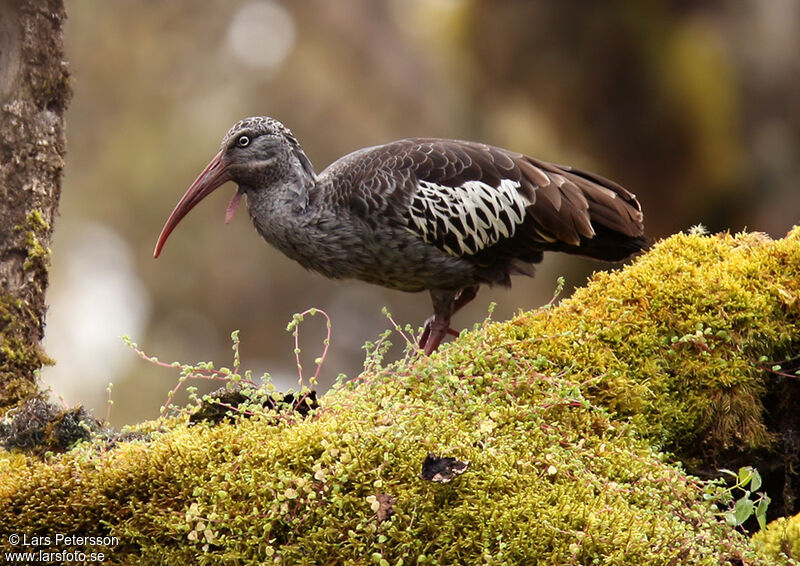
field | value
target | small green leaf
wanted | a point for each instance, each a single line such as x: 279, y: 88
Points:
x: 761, y: 511
x: 730, y: 518
x: 745, y: 474
x: 755, y: 481
x: 742, y: 510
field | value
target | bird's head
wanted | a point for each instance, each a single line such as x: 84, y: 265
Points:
x: 256, y: 153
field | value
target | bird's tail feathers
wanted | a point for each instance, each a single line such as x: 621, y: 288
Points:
x: 606, y: 245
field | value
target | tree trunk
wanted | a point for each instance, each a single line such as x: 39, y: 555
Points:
x: 34, y: 92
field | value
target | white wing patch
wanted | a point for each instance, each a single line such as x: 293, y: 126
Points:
x: 468, y: 218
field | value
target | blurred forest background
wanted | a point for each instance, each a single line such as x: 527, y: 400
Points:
x: 693, y: 106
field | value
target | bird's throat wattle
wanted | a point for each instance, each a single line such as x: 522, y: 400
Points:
x: 237, y: 197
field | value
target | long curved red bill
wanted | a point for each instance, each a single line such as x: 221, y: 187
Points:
x: 214, y: 175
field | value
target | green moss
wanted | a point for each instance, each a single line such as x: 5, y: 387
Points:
x: 780, y: 540
x: 36, y: 220
x: 675, y: 340
x: 551, y: 479
x: 557, y: 413
x: 35, y: 225
x: 18, y: 357
x: 20, y: 352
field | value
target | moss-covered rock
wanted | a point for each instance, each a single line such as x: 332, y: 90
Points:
x: 559, y: 414
x: 551, y: 479
x: 683, y: 341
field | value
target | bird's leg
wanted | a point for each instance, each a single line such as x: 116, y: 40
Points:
x: 437, y: 327
x: 465, y: 296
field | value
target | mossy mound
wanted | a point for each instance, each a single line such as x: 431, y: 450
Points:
x: 557, y: 414
x: 780, y: 540
x: 684, y: 341
x: 551, y: 480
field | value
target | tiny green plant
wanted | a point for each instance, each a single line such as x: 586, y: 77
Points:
x: 109, y: 403
x: 294, y: 328
x: 789, y: 368
x: 376, y: 351
x: 407, y: 332
x: 200, y: 371
x: 559, y: 289
x: 743, y: 498
x: 232, y: 377
x: 489, y: 312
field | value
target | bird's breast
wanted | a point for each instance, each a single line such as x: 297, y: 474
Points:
x: 341, y: 246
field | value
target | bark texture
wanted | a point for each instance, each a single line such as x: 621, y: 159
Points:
x: 34, y: 92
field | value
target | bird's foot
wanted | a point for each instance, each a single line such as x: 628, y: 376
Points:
x: 435, y: 330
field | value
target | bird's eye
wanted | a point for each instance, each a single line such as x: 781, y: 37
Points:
x: 243, y: 141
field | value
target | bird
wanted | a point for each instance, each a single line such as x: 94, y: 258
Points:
x: 417, y: 214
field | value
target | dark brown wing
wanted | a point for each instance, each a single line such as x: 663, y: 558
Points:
x: 482, y: 202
